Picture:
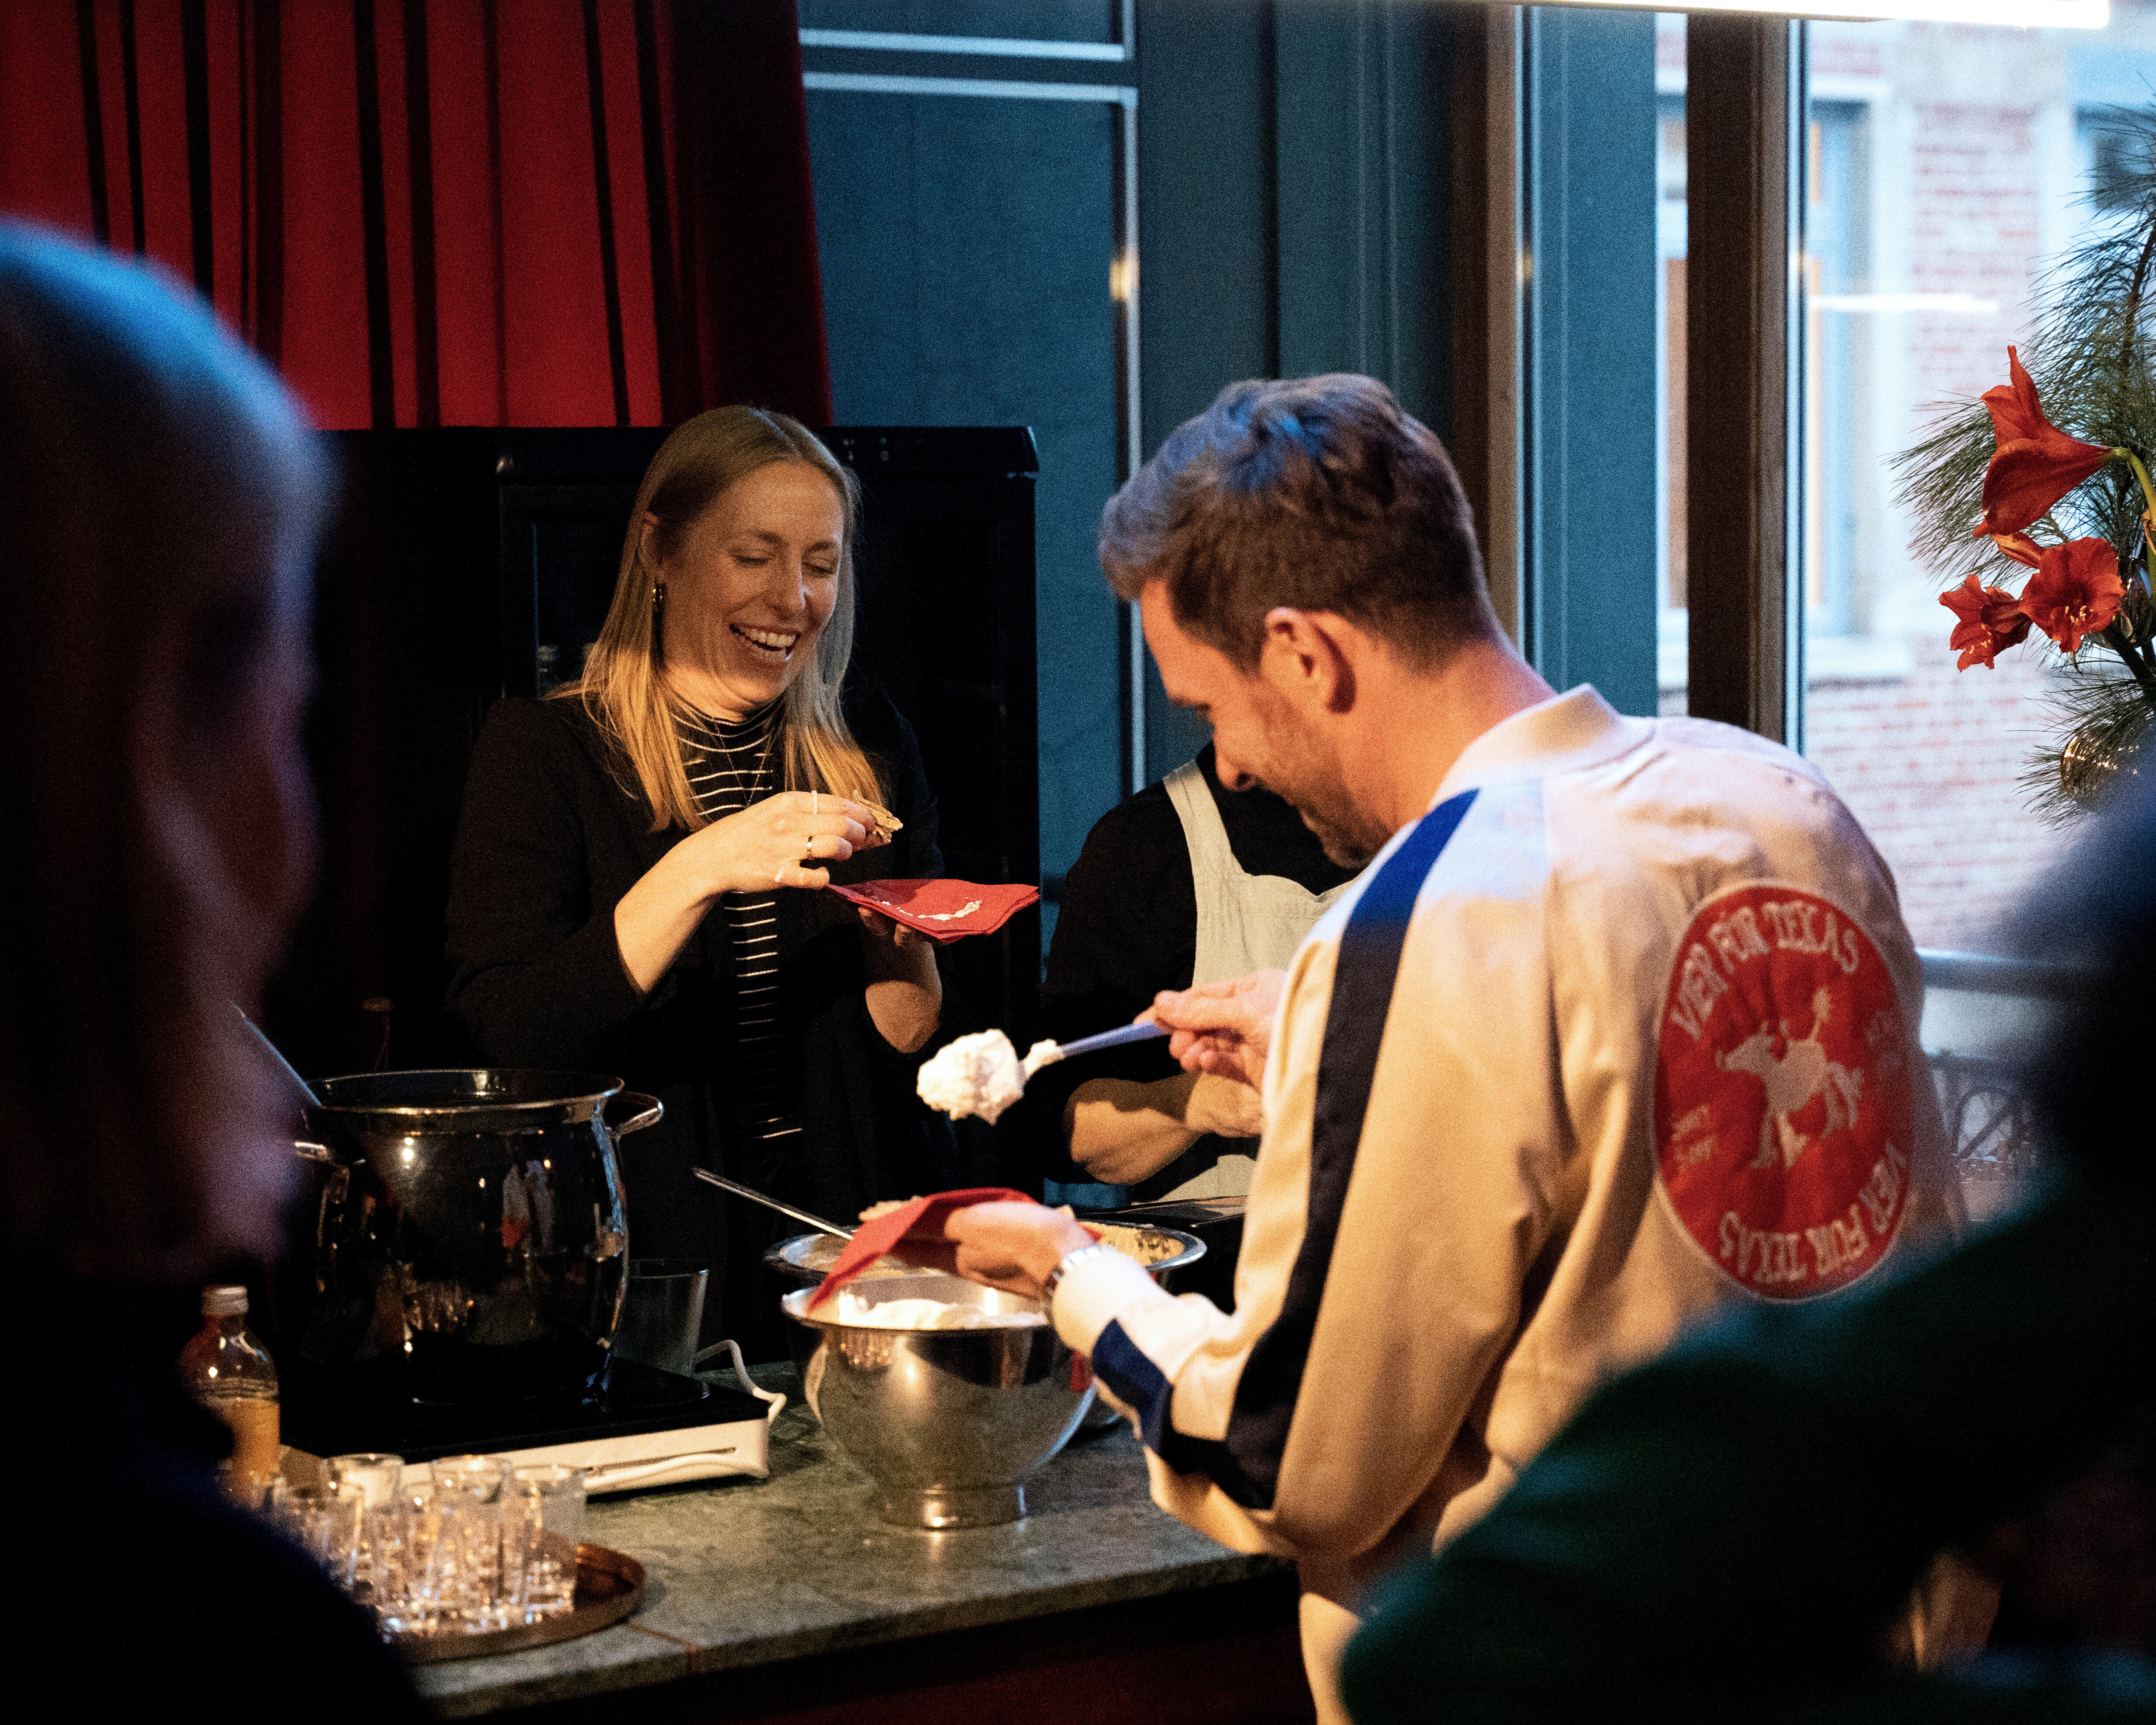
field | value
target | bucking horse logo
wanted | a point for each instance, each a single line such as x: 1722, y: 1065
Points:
x: 1786, y: 1076
x: 1793, y: 1078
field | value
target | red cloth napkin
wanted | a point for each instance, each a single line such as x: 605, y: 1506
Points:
x: 944, y: 910
x: 918, y: 1226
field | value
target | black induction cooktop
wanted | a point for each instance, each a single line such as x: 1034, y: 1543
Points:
x: 633, y: 1399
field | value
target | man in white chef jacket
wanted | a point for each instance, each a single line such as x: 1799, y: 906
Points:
x: 1618, y: 1022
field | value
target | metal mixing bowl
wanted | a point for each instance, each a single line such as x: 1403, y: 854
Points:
x: 804, y: 1258
x: 949, y: 1423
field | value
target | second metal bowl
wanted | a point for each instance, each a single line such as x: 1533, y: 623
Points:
x: 948, y: 1423
x: 805, y: 1259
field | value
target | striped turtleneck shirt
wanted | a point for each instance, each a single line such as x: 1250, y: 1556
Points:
x: 729, y: 766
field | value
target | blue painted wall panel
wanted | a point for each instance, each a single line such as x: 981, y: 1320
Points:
x: 1590, y: 124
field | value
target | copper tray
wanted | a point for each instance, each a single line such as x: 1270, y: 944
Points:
x: 609, y: 1587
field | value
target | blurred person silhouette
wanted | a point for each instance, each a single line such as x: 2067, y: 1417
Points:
x: 159, y: 497
x: 1733, y: 1531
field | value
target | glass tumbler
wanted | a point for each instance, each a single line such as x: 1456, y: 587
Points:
x: 468, y: 1491
x: 376, y: 1477
x: 385, y: 1580
x: 324, y: 1522
x: 478, y: 1477
x: 436, y: 1572
x: 554, y: 1523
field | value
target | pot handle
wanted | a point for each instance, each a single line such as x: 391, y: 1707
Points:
x: 313, y: 1152
x: 650, y: 1111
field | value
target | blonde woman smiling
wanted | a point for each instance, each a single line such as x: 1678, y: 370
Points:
x: 635, y: 883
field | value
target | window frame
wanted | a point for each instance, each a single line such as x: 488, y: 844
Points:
x: 1743, y: 442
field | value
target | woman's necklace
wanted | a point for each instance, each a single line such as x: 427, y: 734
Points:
x: 725, y: 738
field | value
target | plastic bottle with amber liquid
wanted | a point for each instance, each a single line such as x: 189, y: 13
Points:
x: 226, y: 1369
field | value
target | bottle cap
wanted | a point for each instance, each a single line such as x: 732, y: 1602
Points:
x: 224, y: 1302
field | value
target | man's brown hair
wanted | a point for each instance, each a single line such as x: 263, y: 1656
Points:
x: 1318, y: 493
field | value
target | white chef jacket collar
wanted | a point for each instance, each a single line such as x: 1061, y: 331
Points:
x: 1564, y: 734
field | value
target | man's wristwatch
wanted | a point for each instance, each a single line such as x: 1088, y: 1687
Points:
x: 1077, y: 1255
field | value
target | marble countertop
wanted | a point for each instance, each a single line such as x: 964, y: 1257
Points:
x: 744, y: 1572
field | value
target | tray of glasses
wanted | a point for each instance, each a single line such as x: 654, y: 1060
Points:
x: 609, y: 1587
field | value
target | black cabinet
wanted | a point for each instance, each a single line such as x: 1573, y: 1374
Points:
x: 463, y: 565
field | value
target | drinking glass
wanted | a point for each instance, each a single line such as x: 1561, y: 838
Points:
x: 384, y: 1583
x: 478, y: 1477
x: 431, y: 1574
x: 255, y: 1491
x: 324, y: 1522
x: 554, y: 1497
x: 377, y: 1476
x: 662, y: 1314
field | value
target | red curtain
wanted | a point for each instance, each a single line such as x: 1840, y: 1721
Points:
x: 446, y: 211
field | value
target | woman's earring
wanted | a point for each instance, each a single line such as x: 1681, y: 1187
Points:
x: 659, y: 622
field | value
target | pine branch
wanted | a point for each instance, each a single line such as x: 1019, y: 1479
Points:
x: 2105, y: 722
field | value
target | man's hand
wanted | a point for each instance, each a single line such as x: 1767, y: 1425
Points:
x: 1013, y: 1246
x: 1223, y: 1027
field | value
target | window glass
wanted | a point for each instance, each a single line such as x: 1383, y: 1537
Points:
x: 1020, y: 20
x: 981, y: 296
x: 1945, y: 165
x: 1670, y: 230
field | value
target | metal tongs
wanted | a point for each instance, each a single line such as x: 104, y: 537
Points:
x: 770, y: 1203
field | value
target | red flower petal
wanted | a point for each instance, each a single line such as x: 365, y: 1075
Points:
x: 2019, y: 547
x: 2036, y: 464
x: 1991, y: 620
x: 2015, y: 412
x: 2075, y: 592
x: 2027, y: 477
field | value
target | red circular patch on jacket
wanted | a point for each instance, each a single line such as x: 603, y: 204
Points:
x: 1781, y: 1098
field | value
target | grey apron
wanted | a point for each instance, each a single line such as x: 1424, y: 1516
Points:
x: 1245, y: 922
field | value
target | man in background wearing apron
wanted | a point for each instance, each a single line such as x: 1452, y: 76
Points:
x: 1185, y: 883
x: 1618, y: 1024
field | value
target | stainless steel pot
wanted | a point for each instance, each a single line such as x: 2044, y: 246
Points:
x: 471, y: 1235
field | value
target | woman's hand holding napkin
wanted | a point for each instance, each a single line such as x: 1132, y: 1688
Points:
x: 945, y: 911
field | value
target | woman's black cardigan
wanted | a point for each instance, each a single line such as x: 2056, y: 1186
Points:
x: 549, y: 842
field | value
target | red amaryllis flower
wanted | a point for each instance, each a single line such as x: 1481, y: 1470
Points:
x: 2075, y: 592
x: 2035, y: 463
x: 1991, y: 621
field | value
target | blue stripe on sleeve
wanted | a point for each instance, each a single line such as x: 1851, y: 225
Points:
x: 1137, y: 1381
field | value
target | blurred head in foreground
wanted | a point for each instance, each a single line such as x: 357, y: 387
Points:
x: 158, y: 504
x: 2097, y: 911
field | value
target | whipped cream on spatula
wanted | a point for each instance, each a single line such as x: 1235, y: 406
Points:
x: 981, y: 1074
